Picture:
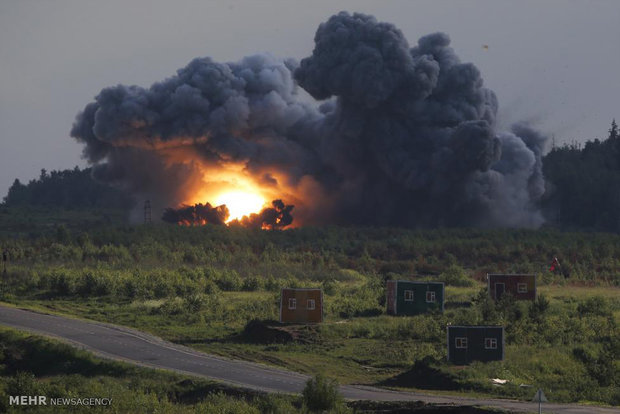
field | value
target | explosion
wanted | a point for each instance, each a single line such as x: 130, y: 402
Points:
x: 275, y: 217
x: 389, y: 135
x: 240, y: 204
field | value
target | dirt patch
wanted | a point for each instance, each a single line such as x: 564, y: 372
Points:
x: 425, y: 376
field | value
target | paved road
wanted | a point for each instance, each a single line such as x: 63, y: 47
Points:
x: 136, y: 347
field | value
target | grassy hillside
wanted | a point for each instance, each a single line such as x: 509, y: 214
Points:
x: 32, y: 365
x: 202, y: 286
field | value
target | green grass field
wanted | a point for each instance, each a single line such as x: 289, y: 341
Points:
x: 201, y: 286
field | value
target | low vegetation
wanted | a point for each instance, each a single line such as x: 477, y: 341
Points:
x: 33, y: 366
x: 202, y: 287
x: 321, y: 394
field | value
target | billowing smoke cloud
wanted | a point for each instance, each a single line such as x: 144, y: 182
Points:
x: 398, y: 135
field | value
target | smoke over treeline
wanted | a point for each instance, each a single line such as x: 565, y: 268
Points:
x: 395, y: 135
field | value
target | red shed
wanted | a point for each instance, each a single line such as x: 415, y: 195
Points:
x: 520, y: 286
x: 301, y: 306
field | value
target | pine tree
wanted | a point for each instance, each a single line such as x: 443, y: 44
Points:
x: 613, y: 131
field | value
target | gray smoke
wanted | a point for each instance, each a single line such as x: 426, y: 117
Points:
x: 396, y: 136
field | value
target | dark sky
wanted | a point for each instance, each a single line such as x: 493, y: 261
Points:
x: 552, y: 63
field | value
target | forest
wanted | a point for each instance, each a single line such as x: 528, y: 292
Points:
x: 583, y: 184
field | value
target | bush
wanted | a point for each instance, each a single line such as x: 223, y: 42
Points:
x: 274, y: 404
x: 229, y: 281
x: 251, y: 284
x: 455, y: 276
x: 321, y: 394
x: 272, y: 285
x: 23, y: 383
x: 539, y: 307
x: 172, y: 306
x: 195, y: 302
x: 597, y: 306
x: 94, y: 285
x: 62, y: 284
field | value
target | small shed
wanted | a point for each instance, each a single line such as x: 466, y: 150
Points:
x: 406, y: 297
x: 520, y: 286
x: 475, y: 343
x: 299, y: 305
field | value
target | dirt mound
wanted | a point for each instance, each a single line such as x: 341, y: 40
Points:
x: 424, y: 375
x: 272, y: 332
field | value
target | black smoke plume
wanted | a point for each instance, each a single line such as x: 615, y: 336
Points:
x: 398, y: 135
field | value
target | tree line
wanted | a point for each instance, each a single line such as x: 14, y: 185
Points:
x: 583, y: 190
x: 72, y: 189
x: 583, y: 187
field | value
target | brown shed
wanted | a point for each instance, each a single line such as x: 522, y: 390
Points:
x: 301, y: 305
x: 520, y: 286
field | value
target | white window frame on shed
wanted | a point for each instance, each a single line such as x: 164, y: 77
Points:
x: 310, y: 304
x: 433, y: 297
x: 411, y: 294
x: 490, y: 343
x: 292, y: 303
x: 521, y: 287
x: 460, y: 342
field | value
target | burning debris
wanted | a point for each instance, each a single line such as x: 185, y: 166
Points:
x: 269, y: 218
x: 278, y: 216
x: 197, y: 215
x: 398, y: 135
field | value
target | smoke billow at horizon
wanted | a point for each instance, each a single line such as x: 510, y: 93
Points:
x: 397, y: 135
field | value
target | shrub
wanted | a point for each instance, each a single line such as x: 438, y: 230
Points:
x: 62, y: 284
x: 130, y: 288
x: 272, y: 285
x: 172, y: 306
x: 321, y: 394
x: 23, y: 383
x: 94, y: 285
x: 454, y: 275
x: 539, y: 307
x: 229, y: 281
x: 274, y: 404
x: 251, y: 284
x: 194, y: 302
x: 594, y: 306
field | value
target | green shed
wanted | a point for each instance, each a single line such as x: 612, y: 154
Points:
x: 406, y: 297
x: 475, y: 343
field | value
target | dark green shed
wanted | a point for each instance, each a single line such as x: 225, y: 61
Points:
x: 475, y: 343
x: 406, y: 297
